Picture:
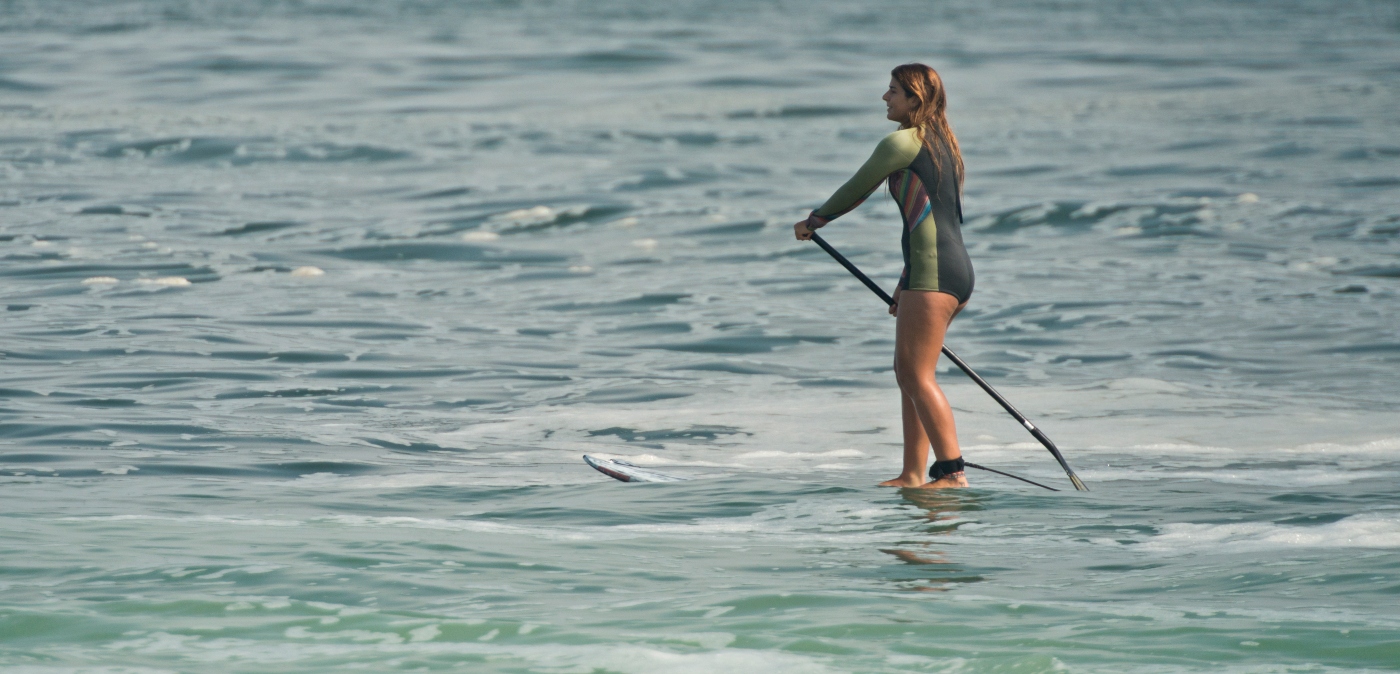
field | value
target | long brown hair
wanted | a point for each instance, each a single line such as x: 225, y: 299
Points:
x: 923, y: 84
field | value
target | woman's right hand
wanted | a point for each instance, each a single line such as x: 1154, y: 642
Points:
x: 802, y: 232
x: 894, y: 308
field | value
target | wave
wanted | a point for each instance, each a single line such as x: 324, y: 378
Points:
x: 1357, y: 531
x: 245, y: 151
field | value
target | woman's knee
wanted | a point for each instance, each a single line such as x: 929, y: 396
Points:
x: 913, y: 381
x: 906, y: 371
x: 921, y: 388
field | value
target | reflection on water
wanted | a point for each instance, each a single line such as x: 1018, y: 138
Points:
x: 941, y: 515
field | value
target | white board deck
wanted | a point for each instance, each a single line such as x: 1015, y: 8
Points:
x: 627, y: 472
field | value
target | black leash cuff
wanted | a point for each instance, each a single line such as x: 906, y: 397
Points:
x: 940, y: 469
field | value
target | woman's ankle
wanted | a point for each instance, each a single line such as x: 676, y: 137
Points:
x: 939, y: 469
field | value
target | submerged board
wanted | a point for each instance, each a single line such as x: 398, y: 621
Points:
x: 631, y: 472
x: 621, y: 470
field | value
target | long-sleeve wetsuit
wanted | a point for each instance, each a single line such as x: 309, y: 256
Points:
x: 934, y: 256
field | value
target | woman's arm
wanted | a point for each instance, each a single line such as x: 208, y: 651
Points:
x: 895, y: 152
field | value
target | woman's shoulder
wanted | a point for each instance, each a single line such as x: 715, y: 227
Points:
x: 903, y: 143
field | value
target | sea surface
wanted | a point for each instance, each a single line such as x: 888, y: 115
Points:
x: 313, y: 307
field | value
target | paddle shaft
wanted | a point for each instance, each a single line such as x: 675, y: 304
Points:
x: 962, y: 365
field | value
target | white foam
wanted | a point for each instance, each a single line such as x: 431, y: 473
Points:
x: 304, y: 645
x: 538, y: 214
x: 469, y: 525
x: 1144, y: 384
x: 425, y: 633
x: 308, y: 272
x: 251, y: 570
x: 164, y: 282
x: 1357, y: 531
x: 397, y: 481
x: 767, y: 426
x: 843, y: 523
x: 190, y: 519
x: 710, y: 640
x: 301, y: 632
x: 1385, y: 445
x: 480, y: 236
x: 100, y: 281
x: 839, y: 523
x: 774, y: 454
x: 1306, y: 476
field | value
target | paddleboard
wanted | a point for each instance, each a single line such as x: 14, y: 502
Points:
x: 627, y: 472
x: 631, y: 472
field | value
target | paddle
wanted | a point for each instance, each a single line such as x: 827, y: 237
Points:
x: 967, y: 370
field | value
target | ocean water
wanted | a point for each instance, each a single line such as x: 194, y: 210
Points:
x: 312, y: 308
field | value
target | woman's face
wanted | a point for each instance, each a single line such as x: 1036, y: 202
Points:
x: 898, y: 106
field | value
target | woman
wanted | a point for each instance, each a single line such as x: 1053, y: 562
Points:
x: 924, y: 168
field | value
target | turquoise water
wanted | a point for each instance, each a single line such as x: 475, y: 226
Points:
x: 1196, y: 573
x: 313, y: 308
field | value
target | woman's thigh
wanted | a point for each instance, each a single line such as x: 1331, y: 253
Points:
x: 920, y: 327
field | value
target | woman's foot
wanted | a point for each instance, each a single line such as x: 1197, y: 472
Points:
x: 953, y: 481
x: 915, y: 480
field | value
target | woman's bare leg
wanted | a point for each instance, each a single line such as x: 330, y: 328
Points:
x: 923, y: 320
x: 915, y: 446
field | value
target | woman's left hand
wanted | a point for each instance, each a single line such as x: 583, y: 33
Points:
x: 894, y: 308
x: 800, y: 229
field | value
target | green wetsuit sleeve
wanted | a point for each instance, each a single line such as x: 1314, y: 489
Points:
x: 895, y: 152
